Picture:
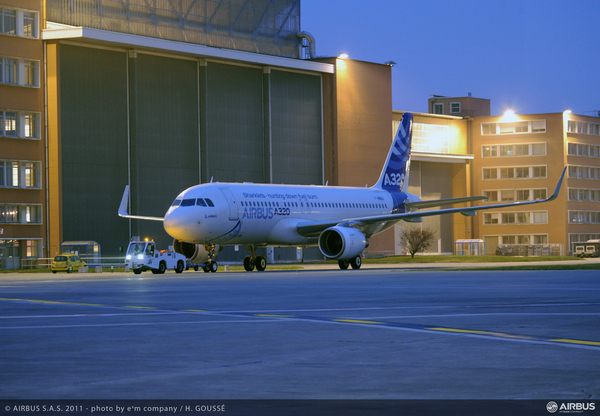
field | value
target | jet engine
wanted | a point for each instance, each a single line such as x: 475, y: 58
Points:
x: 195, y: 253
x: 342, y: 243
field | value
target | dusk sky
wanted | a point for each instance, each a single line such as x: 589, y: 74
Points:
x: 532, y: 56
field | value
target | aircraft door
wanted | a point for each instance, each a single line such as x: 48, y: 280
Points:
x: 233, y: 209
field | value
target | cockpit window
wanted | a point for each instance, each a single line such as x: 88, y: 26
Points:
x: 209, y: 202
x: 176, y: 202
x: 188, y: 202
x: 200, y: 202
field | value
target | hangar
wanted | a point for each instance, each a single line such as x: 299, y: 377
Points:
x: 164, y: 96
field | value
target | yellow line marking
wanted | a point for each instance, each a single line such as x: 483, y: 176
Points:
x: 494, y: 334
x: 356, y: 321
x: 575, y: 341
x: 139, y: 307
x: 273, y: 316
x: 51, y: 302
x: 192, y: 310
x: 465, y: 331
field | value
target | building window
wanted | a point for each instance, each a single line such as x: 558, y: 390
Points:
x: 584, y: 195
x: 522, y: 172
x: 18, y: 23
x: 490, y: 173
x: 30, y: 125
x: 523, y: 195
x: 584, y: 217
x: 539, y: 171
x: 540, y: 217
x: 8, y: 71
x: 584, y: 172
x: 29, y: 74
x: 29, y: 26
x: 520, y: 127
x: 430, y: 138
x: 490, y: 218
x: 507, y: 173
x: 29, y: 70
x: 539, y: 194
x: 580, y: 149
x: 491, y: 195
x: 454, y: 108
x: 19, y: 124
x: 20, y: 214
x: 10, y: 123
x: 490, y: 151
x: 525, y: 217
x: 438, y: 108
x: 507, y: 196
x: 538, y: 149
x: 8, y: 21
x: 15, y: 174
x: 582, y: 127
x: 31, y: 175
x: 509, y: 150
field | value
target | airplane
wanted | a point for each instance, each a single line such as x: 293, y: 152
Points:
x: 338, y: 219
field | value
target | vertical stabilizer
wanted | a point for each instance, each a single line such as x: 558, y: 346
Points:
x: 394, y: 176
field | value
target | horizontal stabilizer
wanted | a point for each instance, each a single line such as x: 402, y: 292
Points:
x: 443, y: 202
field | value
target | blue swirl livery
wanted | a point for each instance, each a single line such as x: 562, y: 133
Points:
x: 394, y: 176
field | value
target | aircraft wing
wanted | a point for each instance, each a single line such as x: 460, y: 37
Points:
x: 123, y: 209
x: 311, y: 229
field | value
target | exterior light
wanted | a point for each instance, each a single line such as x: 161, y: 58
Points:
x: 343, y: 56
x: 509, y: 115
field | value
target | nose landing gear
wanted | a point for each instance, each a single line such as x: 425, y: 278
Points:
x: 252, y: 261
x: 211, y: 265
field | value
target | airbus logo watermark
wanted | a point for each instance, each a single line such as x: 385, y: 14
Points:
x: 553, y: 407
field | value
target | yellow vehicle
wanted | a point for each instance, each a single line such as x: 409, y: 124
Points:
x: 67, y: 263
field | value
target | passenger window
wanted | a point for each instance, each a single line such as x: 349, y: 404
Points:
x: 209, y: 202
x: 200, y: 202
x: 188, y: 202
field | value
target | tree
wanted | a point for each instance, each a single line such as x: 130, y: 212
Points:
x: 417, y: 239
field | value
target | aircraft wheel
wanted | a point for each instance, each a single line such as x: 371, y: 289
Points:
x: 356, y: 262
x: 261, y: 263
x: 344, y: 264
x: 179, y: 268
x: 213, y: 266
x: 206, y: 268
x: 248, y: 263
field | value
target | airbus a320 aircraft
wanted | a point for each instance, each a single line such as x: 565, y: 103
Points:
x: 340, y: 220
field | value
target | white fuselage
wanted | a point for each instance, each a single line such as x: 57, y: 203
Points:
x: 263, y: 214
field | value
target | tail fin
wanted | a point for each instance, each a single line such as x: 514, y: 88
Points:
x: 394, y: 176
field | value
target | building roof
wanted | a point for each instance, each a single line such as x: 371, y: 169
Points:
x: 58, y: 31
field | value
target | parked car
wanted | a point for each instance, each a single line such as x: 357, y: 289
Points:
x: 67, y: 263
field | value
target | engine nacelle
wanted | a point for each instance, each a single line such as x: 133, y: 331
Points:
x: 342, y: 243
x: 195, y: 253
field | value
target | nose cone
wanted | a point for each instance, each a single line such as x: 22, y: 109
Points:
x: 180, y: 225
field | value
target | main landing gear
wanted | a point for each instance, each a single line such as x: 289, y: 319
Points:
x: 211, y: 265
x: 355, y: 262
x: 252, y: 261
